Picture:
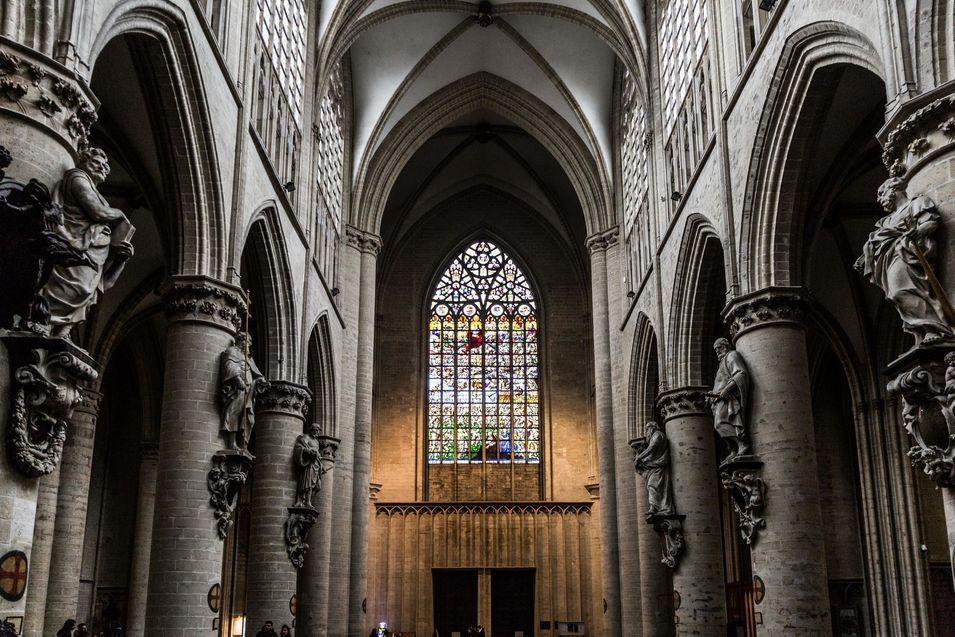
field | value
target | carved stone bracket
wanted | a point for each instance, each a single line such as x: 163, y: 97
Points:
x: 50, y: 376
x: 299, y: 522
x: 687, y: 401
x: 741, y: 478
x: 925, y: 379
x: 670, y: 528
x: 285, y: 397
x: 769, y: 306
x: 199, y: 298
x: 230, y: 469
x: 35, y: 85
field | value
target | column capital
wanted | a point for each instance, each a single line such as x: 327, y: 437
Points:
x: 923, y: 132
x: 601, y: 241
x: 328, y: 448
x: 364, y: 242
x: 285, y: 397
x: 769, y: 306
x: 205, y: 300
x: 685, y: 401
x: 150, y: 450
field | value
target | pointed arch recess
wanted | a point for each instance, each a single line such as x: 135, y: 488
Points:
x: 644, y: 376
x: 769, y: 218
x: 320, y: 374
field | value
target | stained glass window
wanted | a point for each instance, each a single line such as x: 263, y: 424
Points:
x: 483, y: 389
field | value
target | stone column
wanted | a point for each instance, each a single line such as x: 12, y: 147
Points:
x: 369, y: 245
x: 279, y: 420
x: 606, y: 449
x: 70, y: 531
x: 788, y: 554
x: 699, y: 580
x: 186, y: 556
x: 656, y: 590
x: 43, y: 530
x: 142, y: 541
x: 312, y: 618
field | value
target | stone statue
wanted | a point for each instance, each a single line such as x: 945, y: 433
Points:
x: 94, y: 228
x: 729, y: 398
x: 239, y: 383
x: 897, y: 256
x: 653, y: 463
x: 308, y: 461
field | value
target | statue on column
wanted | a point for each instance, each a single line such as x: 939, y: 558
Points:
x: 729, y: 398
x: 308, y: 461
x: 653, y: 463
x: 240, y: 381
x: 897, y: 257
x: 92, y: 227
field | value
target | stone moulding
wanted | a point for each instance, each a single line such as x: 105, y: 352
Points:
x: 430, y: 508
x: 230, y: 469
x: 925, y: 379
x: 299, y: 522
x: 741, y: 478
x: 49, y: 379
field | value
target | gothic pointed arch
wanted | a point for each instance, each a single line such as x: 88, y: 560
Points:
x: 320, y: 375
x: 644, y: 376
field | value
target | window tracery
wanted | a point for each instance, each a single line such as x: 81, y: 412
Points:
x: 331, y: 171
x: 634, y: 148
x: 483, y: 372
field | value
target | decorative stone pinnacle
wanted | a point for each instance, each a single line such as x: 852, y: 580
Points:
x: 769, y: 306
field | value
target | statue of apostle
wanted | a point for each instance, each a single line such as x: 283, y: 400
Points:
x: 728, y: 398
x: 896, y: 258
x: 653, y: 463
x: 307, y: 456
x: 240, y: 381
x: 92, y: 227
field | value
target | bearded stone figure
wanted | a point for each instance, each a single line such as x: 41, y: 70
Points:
x: 92, y: 227
x: 728, y: 398
x: 240, y: 381
x: 896, y: 258
x: 307, y: 455
x: 653, y: 463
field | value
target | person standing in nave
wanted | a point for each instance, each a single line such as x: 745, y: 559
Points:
x: 267, y: 630
x: 285, y: 631
x: 82, y: 631
x: 67, y: 630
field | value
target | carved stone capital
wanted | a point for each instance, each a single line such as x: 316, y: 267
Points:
x: 150, y: 450
x: 922, y: 134
x: 600, y: 241
x: 748, y: 491
x: 50, y: 379
x: 229, y: 471
x: 285, y: 397
x: 670, y: 528
x: 364, y: 242
x: 204, y: 299
x: 328, y: 448
x: 32, y: 84
x: 769, y: 306
x: 297, y: 525
x: 686, y: 401
x: 925, y: 380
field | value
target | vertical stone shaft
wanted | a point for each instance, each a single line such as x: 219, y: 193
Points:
x: 606, y: 450
x: 363, y: 410
x: 142, y: 541
x: 72, y: 500
x: 279, y: 420
x: 656, y: 591
x: 43, y: 529
x: 788, y: 554
x: 186, y: 557
x: 699, y: 580
x: 312, y: 615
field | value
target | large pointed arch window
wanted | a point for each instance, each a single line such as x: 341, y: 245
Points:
x: 483, y: 371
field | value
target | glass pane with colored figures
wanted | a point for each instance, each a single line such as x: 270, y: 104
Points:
x: 483, y: 380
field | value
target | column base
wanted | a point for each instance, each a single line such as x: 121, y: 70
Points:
x: 230, y: 469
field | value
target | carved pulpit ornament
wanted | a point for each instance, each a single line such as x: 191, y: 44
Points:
x: 314, y: 456
x: 652, y: 462
x: 49, y: 373
x: 739, y: 471
x: 240, y: 382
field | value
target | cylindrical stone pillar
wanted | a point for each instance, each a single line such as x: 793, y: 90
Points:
x: 63, y: 593
x: 606, y: 449
x: 279, y: 420
x: 186, y: 556
x: 788, y: 553
x: 142, y: 541
x: 656, y: 590
x: 370, y: 246
x: 43, y: 530
x: 312, y: 617
x: 699, y: 579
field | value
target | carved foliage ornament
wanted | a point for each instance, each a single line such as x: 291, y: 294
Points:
x: 285, y: 397
x: 773, y: 305
x: 749, y: 498
x: 671, y: 529
x: 362, y: 241
x: 46, y: 391
x: 602, y: 240
x: 299, y: 522
x: 918, y: 133
x: 683, y: 402
x: 196, y: 298
x: 230, y: 469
